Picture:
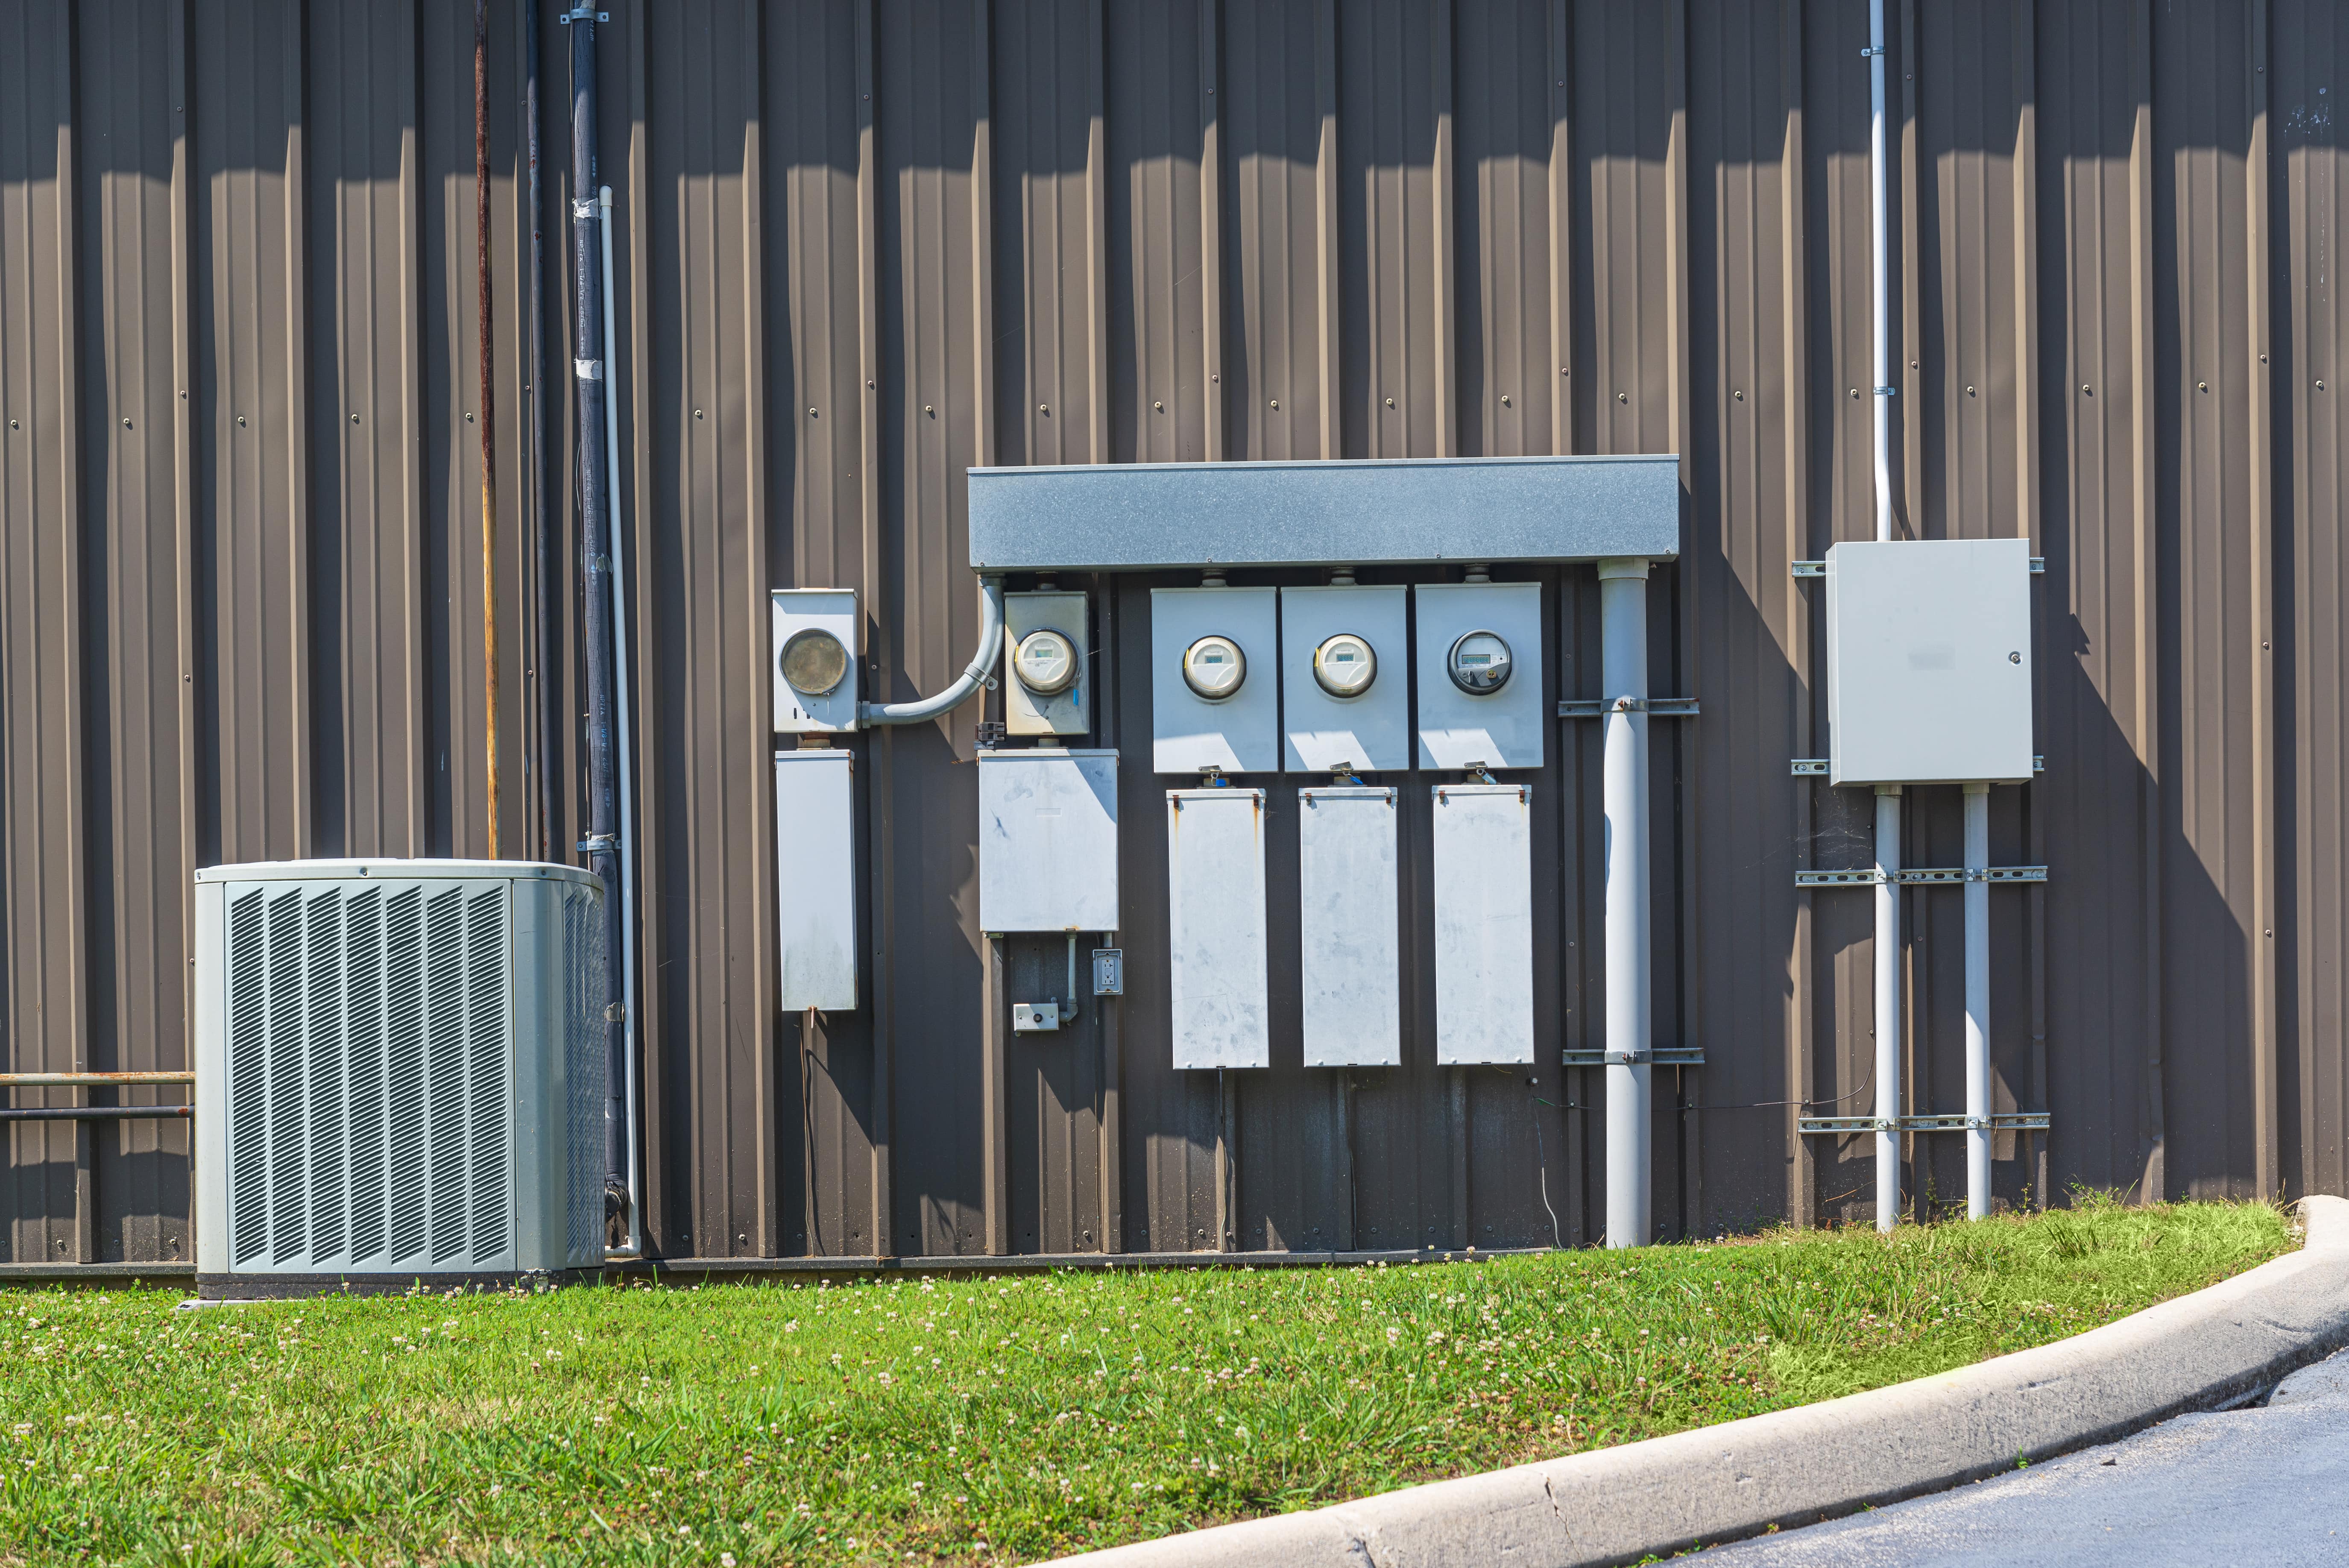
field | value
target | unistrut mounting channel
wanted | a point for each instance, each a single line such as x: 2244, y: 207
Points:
x: 1870, y: 876
x: 1654, y: 707
x: 2004, y: 1121
x: 1816, y: 767
x: 1659, y: 1056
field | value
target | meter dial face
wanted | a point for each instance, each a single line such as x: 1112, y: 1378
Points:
x: 1214, y: 668
x: 1046, y: 662
x: 1479, y: 663
x: 1344, y: 665
x: 814, y: 661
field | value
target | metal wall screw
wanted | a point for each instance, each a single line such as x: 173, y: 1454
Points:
x: 811, y: 413
x: 1390, y: 403
x: 1505, y: 399
x: 1276, y: 402
x: 1626, y: 397
x: 1043, y: 408
x: 2201, y: 386
x: 697, y: 413
x: 355, y: 418
x: 2014, y: 658
x: 126, y: 423
x: 240, y: 421
x: 927, y: 410
x: 1740, y: 396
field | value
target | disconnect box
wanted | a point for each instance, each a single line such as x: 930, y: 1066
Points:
x: 815, y: 880
x: 1484, y: 924
x: 1929, y: 661
x: 1351, y: 973
x: 1048, y: 840
x: 1215, y: 927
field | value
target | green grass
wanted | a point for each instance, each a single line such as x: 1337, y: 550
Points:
x: 993, y: 1420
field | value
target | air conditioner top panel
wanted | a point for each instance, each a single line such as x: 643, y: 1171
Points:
x: 386, y: 866
x: 1126, y: 517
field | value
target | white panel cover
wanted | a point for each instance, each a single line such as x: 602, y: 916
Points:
x: 1372, y: 730
x: 1048, y: 840
x: 1503, y: 730
x: 1352, y: 970
x: 815, y: 880
x: 1929, y: 661
x: 1240, y: 735
x: 1215, y: 927
x: 1484, y: 924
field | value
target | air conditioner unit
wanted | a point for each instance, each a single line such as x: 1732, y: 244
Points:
x: 401, y: 1074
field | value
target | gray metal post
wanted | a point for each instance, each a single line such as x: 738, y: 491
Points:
x: 1887, y: 1007
x: 1623, y: 635
x: 1977, y: 1004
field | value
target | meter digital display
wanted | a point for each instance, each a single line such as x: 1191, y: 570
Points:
x: 1214, y: 666
x: 814, y: 661
x: 1344, y: 665
x: 1479, y: 663
x: 1046, y: 662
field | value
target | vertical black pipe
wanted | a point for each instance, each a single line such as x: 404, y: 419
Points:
x: 545, y: 689
x: 596, y: 582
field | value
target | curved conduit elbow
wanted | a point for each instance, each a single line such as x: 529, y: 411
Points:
x: 991, y: 647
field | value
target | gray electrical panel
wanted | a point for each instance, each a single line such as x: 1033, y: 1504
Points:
x: 1216, y: 979
x: 1929, y: 661
x: 815, y: 880
x: 1048, y: 840
x: 1048, y: 664
x: 1349, y: 926
x: 1345, y: 678
x: 1484, y: 924
x: 1479, y: 663
x: 1214, y: 681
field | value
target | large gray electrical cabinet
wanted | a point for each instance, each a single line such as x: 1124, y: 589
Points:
x: 1929, y: 661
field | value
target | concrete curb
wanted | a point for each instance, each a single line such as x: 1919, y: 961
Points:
x: 2214, y: 1349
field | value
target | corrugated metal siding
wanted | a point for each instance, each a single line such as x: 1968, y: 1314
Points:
x: 871, y: 242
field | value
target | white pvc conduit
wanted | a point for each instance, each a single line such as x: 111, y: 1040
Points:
x: 623, y: 732
x: 1888, y: 797
x: 1977, y: 1004
x: 1623, y: 672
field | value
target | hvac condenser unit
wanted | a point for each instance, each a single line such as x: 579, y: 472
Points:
x: 399, y: 1072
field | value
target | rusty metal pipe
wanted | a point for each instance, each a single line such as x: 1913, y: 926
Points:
x: 488, y: 410
x: 99, y: 1114
x: 88, y: 1080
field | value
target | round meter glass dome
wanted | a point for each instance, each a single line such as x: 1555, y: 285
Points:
x: 1345, y: 665
x: 1046, y: 662
x: 1479, y: 663
x: 814, y: 661
x: 1214, y: 666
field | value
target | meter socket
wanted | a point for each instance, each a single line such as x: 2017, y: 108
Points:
x: 815, y: 669
x: 1047, y: 650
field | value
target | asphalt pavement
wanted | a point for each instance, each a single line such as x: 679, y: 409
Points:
x: 2267, y: 1484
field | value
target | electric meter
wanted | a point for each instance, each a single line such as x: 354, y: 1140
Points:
x: 1344, y: 665
x: 1479, y: 663
x: 1214, y: 666
x: 1046, y: 662
x: 814, y: 661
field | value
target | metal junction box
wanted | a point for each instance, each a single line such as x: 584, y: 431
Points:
x: 815, y: 880
x: 1048, y: 840
x: 1345, y: 678
x: 1198, y: 637
x: 1484, y: 924
x: 1348, y: 928
x: 1215, y: 977
x: 1929, y: 661
x: 814, y: 664
x: 1048, y: 664
x: 1501, y: 727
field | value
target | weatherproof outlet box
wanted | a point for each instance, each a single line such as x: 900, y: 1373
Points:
x: 1369, y: 731
x: 1028, y: 711
x: 1929, y: 661
x: 817, y: 613
x: 1238, y: 734
x: 1048, y: 840
x: 1462, y: 728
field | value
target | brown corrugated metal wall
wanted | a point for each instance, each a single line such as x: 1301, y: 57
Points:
x: 869, y: 243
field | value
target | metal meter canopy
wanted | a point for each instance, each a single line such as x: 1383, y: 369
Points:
x: 1046, y: 662
x: 1479, y: 663
x: 1345, y: 664
x: 1214, y: 668
x: 814, y: 661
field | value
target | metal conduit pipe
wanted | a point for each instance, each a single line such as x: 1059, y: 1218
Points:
x: 1977, y: 1004
x: 624, y: 748
x: 1888, y: 797
x: 1623, y: 637
x: 977, y: 674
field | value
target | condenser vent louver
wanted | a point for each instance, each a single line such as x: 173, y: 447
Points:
x: 400, y: 1069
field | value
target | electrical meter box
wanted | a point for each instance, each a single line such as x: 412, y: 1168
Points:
x: 1048, y: 840
x: 813, y: 667
x: 1479, y: 666
x: 1047, y: 659
x: 1214, y: 681
x: 1484, y: 924
x: 1349, y: 926
x: 815, y: 880
x: 1345, y: 679
x: 1216, y: 968
x: 1929, y: 661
